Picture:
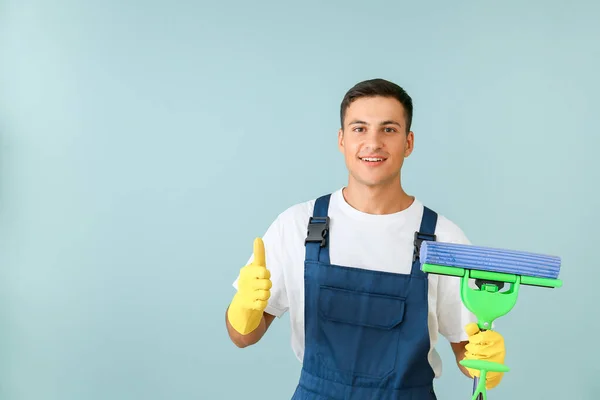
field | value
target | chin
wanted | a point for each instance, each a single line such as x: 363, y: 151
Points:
x: 371, y: 181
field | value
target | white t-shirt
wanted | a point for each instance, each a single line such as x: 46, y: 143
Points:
x: 357, y: 239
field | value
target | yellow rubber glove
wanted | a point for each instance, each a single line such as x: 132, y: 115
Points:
x: 254, y: 283
x: 485, y: 345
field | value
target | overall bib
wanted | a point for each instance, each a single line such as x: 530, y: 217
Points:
x: 366, y: 332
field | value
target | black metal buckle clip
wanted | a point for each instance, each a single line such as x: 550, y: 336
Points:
x: 419, y: 237
x: 318, y: 227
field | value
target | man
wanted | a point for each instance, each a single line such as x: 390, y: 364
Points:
x: 364, y: 317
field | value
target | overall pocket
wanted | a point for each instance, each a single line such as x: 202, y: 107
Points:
x: 358, y: 332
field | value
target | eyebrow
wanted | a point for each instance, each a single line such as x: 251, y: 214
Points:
x: 387, y: 122
x: 391, y: 122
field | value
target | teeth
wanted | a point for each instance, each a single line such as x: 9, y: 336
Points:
x: 372, y: 159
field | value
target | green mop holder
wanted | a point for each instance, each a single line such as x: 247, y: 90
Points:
x: 488, y: 302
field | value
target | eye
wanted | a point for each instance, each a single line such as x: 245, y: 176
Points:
x: 389, y: 130
x: 358, y: 129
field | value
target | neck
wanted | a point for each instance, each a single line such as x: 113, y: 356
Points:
x: 379, y: 200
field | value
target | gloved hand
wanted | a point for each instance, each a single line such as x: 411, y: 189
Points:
x: 246, y: 309
x: 485, y: 345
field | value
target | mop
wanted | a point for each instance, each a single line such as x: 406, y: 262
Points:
x: 491, y: 269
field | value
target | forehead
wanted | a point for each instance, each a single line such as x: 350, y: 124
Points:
x: 375, y: 109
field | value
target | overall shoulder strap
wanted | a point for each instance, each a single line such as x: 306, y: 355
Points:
x: 425, y: 232
x: 317, y: 237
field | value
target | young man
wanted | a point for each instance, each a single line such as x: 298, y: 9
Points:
x: 364, y: 317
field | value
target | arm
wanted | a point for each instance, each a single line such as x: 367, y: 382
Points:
x: 459, y: 325
x: 261, y: 293
x: 453, y: 316
x: 245, y: 317
x: 253, y: 337
x: 459, y: 353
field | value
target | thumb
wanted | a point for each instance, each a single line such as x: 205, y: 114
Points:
x: 259, y: 253
x: 471, y: 329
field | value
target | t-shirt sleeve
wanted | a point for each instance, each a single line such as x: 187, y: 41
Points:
x: 452, y: 315
x: 276, y: 260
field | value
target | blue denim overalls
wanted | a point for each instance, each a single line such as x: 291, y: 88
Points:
x: 366, y: 332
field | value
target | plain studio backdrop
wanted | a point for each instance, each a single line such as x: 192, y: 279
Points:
x: 144, y: 145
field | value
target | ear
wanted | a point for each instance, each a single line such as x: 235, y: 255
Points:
x: 341, y: 140
x: 410, y: 144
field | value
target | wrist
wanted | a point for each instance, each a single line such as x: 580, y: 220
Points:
x: 242, y: 319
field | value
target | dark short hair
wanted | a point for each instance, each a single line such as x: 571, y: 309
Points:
x: 378, y: 87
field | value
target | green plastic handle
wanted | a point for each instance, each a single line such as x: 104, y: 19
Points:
x: 484, y: 367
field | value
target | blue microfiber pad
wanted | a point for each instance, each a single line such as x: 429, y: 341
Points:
x: 490, y: 259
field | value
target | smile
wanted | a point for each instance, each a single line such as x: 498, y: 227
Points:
x: 372, y: 159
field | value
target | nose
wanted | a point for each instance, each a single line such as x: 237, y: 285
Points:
x: 373, y: 140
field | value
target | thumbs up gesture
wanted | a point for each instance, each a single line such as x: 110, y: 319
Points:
x: 254, y: 284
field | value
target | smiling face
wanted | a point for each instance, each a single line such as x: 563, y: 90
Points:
x: 374, y: 140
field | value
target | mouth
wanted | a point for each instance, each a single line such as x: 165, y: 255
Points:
x: 372, y: 161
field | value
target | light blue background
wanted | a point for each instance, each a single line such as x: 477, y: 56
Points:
x: 143, y: 146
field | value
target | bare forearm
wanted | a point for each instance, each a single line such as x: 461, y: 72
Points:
x: 463, y: 369
x: 251, y: 338
x: 459, y: 353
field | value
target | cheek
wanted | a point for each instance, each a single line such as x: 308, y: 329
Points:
x: 400, y: 148
x: 350, y: 147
